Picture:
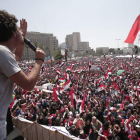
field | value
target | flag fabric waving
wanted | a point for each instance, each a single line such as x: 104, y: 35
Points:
x: 56, y: 95
x: 81, y: 109
x: 73, y: 98
x: 134, y: 34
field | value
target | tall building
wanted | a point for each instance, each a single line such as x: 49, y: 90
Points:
x: 46, y: 42
x: 83, y: 46
x: 73, y: 42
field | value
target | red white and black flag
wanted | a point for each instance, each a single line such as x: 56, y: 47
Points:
x: 134, y: 34
x: 56, y: 95
x: 101, y: 89
x: 62, y: 64
x: 62, y: 80
x: 81, y: 109
x: 58, y: 71
x: 73, y: 98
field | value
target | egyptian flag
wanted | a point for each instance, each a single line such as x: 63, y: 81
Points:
x: 62, y: 63
x: 56, y: 95
x: 72, y: 65
x: 107, y: 74
x: 108, y: 66
x: 56, y: 77
x: 58, y: 71
x: 101, y: 89
x: 68, y: 69
x: 81, y: 109
x: 80, y: 70
x: 66, y: 85
x: 134, y: 34
x: 73, y: 98
x: 67, y: 76
x: 13, y: 103
x: 24, y: 94
x: 62, y: 80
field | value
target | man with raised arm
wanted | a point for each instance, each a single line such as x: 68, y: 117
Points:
x: 11, y: 50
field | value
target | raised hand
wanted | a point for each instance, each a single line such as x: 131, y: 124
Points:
x: 23, y: 26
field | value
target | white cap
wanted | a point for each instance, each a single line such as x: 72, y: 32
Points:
x: 137, y: 126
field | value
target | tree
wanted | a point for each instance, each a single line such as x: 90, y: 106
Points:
x: 112, y: 50
x: 57, y: 55
x: 48, y: 51
x: 41, y: 46
x: 35, y: 43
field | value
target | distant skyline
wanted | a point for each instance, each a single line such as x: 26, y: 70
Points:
x: 100, y: 22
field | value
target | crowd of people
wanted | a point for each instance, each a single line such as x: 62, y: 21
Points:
x: 93, y: 98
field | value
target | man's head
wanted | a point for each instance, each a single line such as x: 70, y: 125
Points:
x: 7, y: 26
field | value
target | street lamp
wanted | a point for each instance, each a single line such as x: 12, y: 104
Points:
x: 118, y: 45
x: 118, y: 42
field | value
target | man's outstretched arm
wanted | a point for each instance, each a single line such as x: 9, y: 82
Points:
x: 28, y: 82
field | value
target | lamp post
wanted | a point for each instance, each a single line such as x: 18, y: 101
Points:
x: 118, y: 42
x: 118, y: 45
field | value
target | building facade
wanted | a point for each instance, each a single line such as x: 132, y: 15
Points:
x: 127, y: 50
x: 73, y: 42
x: 47, y: 42
x: 83, y: 46
x: 102, y: 50
x: 130, y: 45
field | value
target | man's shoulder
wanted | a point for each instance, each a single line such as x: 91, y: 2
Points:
x: 4, y: 48
x: 4, y: 51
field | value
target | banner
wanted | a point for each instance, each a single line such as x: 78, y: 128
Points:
x: 35, y: 131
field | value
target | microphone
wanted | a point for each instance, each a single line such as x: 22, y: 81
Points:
x: 28, y: 42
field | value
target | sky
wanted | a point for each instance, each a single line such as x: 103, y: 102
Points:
x: 100, y: 22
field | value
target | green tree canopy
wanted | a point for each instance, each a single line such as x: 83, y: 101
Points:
x: 57, y: 55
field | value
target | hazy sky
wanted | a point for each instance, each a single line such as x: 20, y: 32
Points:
x: 100, y: 22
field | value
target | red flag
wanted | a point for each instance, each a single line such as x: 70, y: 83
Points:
x: 107, y: 74
x: 58, y: 71
x: 13, y: 103
x: 134, y: 34
x: 73, y: 98
x: 82, y: 104
x: 56, y: 96
x: 36, y: 90
x: 107, y: 102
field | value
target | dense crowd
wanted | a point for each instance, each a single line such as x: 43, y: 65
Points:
x: 100, y: 103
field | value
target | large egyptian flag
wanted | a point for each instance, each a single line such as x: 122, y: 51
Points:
x: 134, y: 34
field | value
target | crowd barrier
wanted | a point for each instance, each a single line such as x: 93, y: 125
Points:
x: 35, y: 131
